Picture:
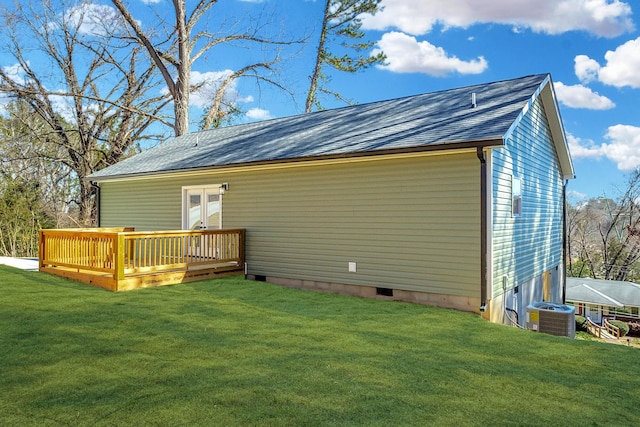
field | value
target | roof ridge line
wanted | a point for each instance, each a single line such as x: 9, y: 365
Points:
x: 603, y: 295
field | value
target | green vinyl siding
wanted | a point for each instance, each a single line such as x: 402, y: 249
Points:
x: 525, y: 246
x: 409, y: 223
x: 147, y: 205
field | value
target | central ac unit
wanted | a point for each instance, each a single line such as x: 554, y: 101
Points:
x: 552, y: 318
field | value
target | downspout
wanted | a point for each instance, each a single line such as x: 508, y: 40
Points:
x: 97, y: 188
x: 564, y: 241
x: 483, y: 228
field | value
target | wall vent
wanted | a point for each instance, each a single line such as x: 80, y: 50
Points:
x: 385, y: 292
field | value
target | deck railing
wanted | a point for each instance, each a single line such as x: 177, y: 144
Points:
x: 605, y: 329
x: 123, y: 253
x: 594, y: 328
x: 611, y: 329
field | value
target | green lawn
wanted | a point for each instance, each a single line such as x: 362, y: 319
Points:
x: 233, y: 352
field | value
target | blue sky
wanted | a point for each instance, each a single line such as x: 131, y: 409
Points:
x: 590, y: 47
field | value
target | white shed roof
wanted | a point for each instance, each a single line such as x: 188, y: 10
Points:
x: 612, y: 293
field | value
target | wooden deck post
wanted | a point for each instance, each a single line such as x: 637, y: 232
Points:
x: 119, y: 258
x: 241, y: 247
x: 41, y: 240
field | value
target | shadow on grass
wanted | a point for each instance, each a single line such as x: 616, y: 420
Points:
x: 235, y: 352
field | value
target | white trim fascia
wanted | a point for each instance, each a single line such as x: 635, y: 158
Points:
x: 228, y: 169
x: 547, y: 95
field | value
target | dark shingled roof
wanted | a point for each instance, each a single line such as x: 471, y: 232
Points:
x: 444, y: 119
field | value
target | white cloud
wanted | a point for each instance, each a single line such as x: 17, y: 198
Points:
x: 64, y: 106
x: 61, y: 104
x: 622, y: 65
x: 607, y: 18
x: 576, y: 196
x: 258, y: 114
x: 93, y: 19
x: 151, y: 1
x: 578, y: 96
x: 586, y: 69
x: 208, y: 83
x: 405, y: 54
x: 623, y: 147
x: 580, y: 148
x: 621, y: 68
x: 15, y: 73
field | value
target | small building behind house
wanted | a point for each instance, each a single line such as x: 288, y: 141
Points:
x: 597, y: 299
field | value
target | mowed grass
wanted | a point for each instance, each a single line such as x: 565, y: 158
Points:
x: 231, y: 352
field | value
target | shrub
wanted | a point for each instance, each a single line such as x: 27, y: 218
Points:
x: 634, y: 329
x: 581, y: 323
x: 624, y: 328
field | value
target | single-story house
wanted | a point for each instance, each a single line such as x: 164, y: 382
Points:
x: 452, y: 198
x: 597, y: 298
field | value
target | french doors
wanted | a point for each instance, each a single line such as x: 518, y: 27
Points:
x: 202, y: 208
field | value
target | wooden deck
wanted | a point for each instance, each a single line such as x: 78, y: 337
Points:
x: 123, y: 259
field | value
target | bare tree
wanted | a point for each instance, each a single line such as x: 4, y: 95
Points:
x: 585, y: 255
x: 23, y: 139
x: 620, y: 235
x: 574, y: 231
x: 90, y: 88
x: 604, y: 235
x: 176, y: 46
x: 341, y: 27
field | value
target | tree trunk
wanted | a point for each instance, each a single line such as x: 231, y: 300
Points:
x: 181, y: 111
x: 183, y: 83
x: 313, y: 85
x: 87, y: 215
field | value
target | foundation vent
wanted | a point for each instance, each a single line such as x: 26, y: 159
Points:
x: 385, y: 292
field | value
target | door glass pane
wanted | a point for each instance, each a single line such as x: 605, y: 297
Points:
x: 194, y: 211
x: 213, y: 211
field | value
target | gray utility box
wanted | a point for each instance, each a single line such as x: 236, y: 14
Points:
x: 552, y: 318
